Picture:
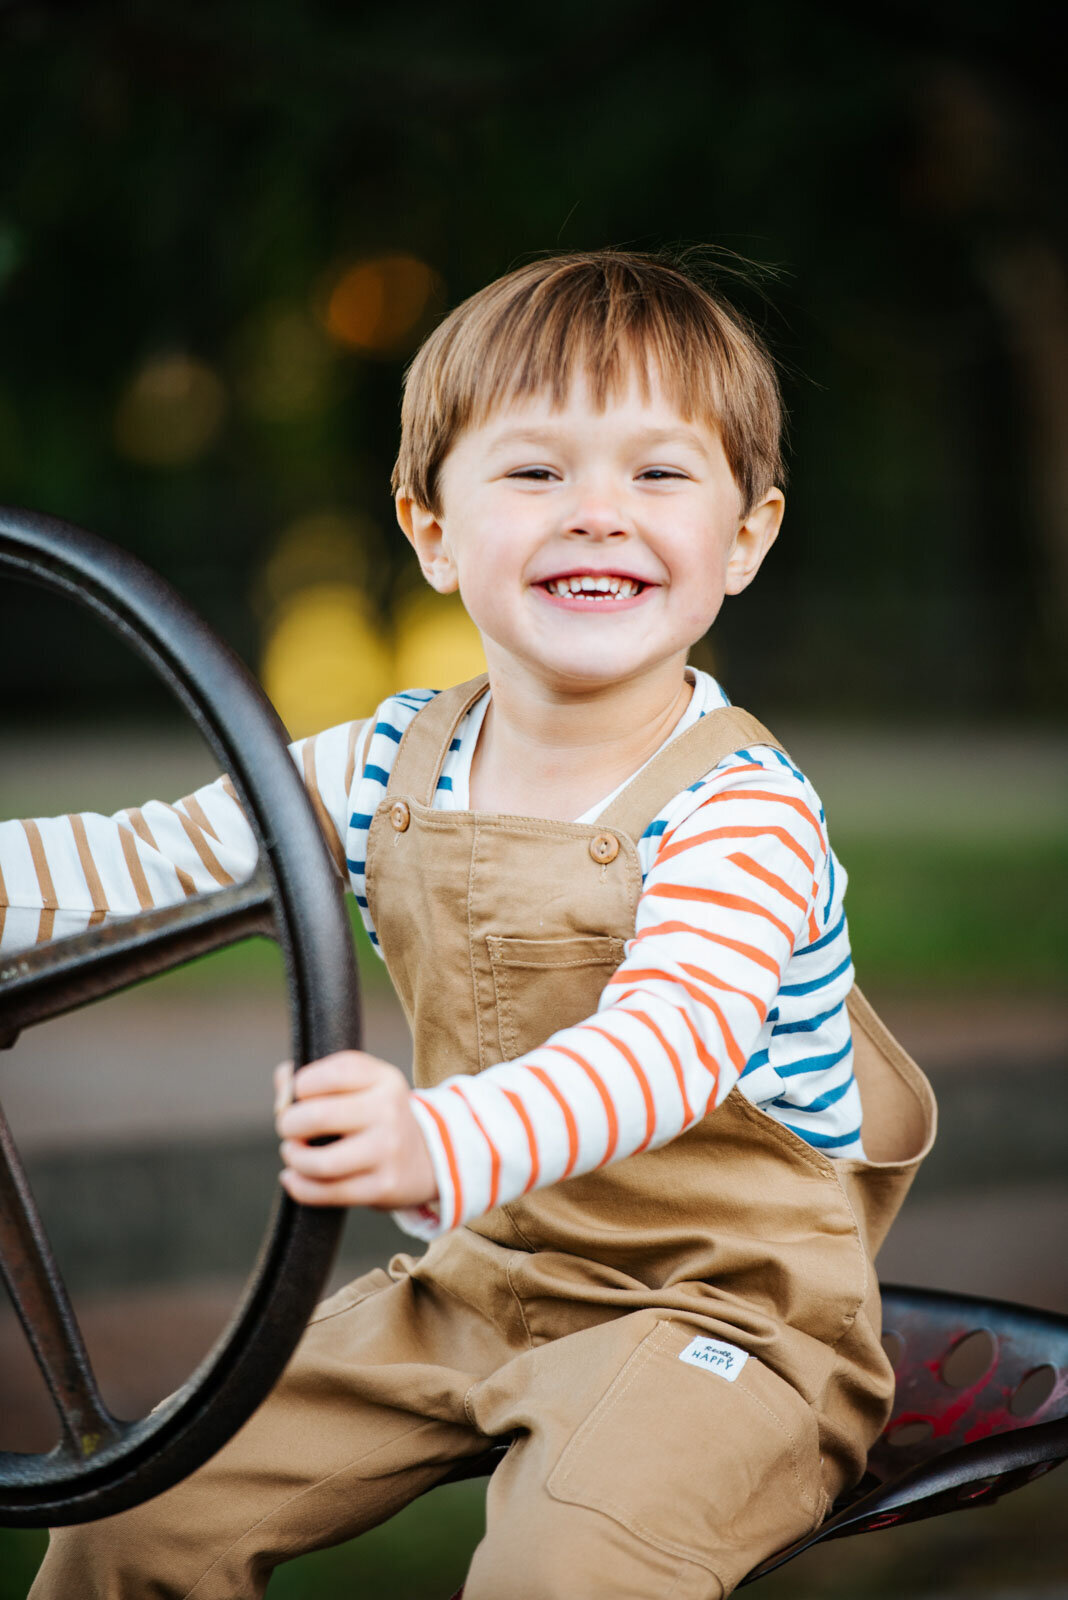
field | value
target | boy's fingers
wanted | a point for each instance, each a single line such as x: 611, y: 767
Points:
x: 283, y: 1086
x: 342, y: 1073
x: 335, y: 1113
x: 342, y: 1158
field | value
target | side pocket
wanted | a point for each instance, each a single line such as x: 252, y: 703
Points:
x: 542, y: 985
x: 722, y: 1473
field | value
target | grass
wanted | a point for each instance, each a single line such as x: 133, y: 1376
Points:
x: 929, y: 913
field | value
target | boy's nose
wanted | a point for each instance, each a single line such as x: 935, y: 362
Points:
x: 598, y: 519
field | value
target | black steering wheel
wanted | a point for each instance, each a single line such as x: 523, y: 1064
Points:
x: 102, y: 1465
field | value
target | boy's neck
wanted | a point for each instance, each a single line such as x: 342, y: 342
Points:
x: 550, y: 755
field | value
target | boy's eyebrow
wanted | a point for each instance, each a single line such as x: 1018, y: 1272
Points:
x: 650, y: 436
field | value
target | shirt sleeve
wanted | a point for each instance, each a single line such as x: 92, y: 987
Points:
x: 731, y: 891
x: 60, y: 875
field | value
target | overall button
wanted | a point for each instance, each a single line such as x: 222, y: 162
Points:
x: 399, y: 815
x: 604, y: 848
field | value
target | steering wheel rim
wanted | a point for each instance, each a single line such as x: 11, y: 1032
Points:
x: 102, y: 1466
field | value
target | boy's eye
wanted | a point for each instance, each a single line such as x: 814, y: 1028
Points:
x: 656, y: 473
x: 539, y: 474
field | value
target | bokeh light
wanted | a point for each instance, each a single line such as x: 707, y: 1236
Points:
x: 286, y: 365
x: 170, y: 412
x: 326, y: 659
x: 379, y: 306
x: 437, y: 643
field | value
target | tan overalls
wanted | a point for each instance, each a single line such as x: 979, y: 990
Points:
x: 563, y: 1317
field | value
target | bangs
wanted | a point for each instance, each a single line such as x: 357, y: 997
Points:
x: 611, y: 319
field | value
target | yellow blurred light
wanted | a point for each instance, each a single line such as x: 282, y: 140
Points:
x: 170, y: 412
x: 437, y: 643
x: 323, y: 547
x: 378, y: 305
x: 287, y: 366
x: 325, y: 659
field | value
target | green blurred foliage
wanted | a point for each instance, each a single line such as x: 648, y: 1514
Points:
x: 174, y: 177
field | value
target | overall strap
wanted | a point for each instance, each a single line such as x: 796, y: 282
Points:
x: 683, y: 762
x: 427, y: 738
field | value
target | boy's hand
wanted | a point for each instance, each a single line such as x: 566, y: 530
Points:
x: 379, y: 1158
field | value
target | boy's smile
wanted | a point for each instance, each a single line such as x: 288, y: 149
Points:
x: 590, y: 547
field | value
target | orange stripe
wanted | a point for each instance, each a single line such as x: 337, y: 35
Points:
x: 750, y: 950
x: 779, y: 799
x: 702, y: 999
x: 606, y: 1099
x: 228, y: 788
x: 198, y: 814
x: 134, y: 867
x: 712, y: 897
x: 569, y: 1118
x: 521, y: 1112
x: 327, y: 828
x: 773, y: 881
x: 708, y: 1061
x: 495, y: 1155
x: 450, y: 1157
x: 141, y: 827
x: 49, y: 904
x: 781, y: 834
x: 97, y: 897
x: 643, y: 1082
x: 196, y: 839
x: 687, y: 1112
x: 720, y: 983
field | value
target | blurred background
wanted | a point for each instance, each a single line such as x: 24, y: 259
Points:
x: 223, y: 232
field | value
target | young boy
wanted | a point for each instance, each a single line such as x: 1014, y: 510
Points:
x: 638, y: 1144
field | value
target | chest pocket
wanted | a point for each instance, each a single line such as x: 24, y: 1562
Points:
x: 542, y: 985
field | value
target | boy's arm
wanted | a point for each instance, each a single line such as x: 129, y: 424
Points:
x: 60, y: 875
x: 739, y: 880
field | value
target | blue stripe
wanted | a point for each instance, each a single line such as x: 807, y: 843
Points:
x: 760, y: 1059
x: 358, y: 820
x: 794, y: 1069
x: 788, y: 764
x: 823, y: 1141
x: 655, y: 829
x: 390, y: 731
x: 444, y: 783
x: 356, y: 867
x: 821, y: 1102
x: 825, y: 939
x: 830, y: 889
x: 810, y: 1024
x: 817, y: 983
x: 455, y: 745
x: 379, y: 774
x: 360, y: 901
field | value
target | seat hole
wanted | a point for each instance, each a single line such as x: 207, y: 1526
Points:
x: 969, y: 1359
x: 894, y: 1346
x: 1033, y: 1391
x: 910, y: 1433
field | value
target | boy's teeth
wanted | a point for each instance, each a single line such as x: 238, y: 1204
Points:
x: 589, y: 584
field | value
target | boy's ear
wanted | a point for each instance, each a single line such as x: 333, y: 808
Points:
x: 426, y: 536
x: 754, y: 538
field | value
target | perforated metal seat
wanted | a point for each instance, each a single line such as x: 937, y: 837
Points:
x: 981, y: 1408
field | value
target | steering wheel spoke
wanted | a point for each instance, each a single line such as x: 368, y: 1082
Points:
x: 50, y: 979
x: 32, y: 1277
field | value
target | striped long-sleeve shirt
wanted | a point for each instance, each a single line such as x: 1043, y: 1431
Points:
x: 738, y: 971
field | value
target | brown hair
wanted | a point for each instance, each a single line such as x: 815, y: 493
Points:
x: 606, y: 313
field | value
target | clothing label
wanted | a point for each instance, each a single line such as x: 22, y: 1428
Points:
x: 715, y: 1355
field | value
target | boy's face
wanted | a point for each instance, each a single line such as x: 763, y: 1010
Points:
x: 590, y: 547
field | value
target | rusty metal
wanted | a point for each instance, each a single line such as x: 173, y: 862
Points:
x: 50, y: 979
x: 29, y: 1270
x: 298, y: 879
